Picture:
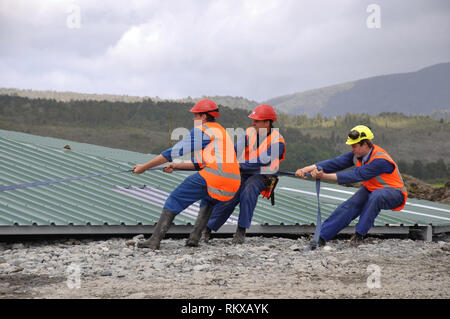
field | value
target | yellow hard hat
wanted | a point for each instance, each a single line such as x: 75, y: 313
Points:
x: 359, y: 133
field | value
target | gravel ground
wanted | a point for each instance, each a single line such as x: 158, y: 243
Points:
x: 263, y: 267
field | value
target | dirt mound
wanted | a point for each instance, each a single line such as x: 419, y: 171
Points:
x: 419, y: 189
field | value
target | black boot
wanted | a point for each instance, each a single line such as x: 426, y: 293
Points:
x: 200, y: 223
x: 356, y: 240
x: 164, y: 223
x: 239, y: 236
x: 207, y: 235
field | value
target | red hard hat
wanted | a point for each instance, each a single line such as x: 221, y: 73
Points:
x: 263, y: 112
x: 206, y: 106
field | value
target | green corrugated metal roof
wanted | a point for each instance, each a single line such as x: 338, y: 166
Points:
x: 92, y: 200
x: 120, y: 199
x: 57, y: 143
x: 415, y: 212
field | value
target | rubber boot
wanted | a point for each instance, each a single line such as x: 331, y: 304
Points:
x: 164, y: 223
x: 239, y: 236
x: 202, y: 219
x: 207, y: 235
x: 356, y: 240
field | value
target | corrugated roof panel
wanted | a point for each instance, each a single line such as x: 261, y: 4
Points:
x: 84, y: 148
x: 130, y: 199
x: 158, y: 197
x: 75, y: 202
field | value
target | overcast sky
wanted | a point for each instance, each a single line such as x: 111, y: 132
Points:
x: 257, y: 49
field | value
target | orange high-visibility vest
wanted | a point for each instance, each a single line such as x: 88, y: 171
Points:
x: 218, y: 163
x: 392, y: 180
x: 253, y: 151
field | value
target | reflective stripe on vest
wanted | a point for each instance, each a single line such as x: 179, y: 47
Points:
x: 392, y: 180
x: 253, y: 151
x: 220, y: 168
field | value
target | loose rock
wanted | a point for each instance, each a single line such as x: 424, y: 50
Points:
x: 261, y: 268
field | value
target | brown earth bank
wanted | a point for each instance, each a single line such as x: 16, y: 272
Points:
x: 422, y: 190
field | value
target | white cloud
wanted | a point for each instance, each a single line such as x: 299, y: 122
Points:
x: 251, y: 48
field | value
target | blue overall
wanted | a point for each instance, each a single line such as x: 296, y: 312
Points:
x: 194, y: 187
x: 247, y: 195
x: 365, y: 204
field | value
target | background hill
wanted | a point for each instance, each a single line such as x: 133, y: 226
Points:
x: 420, y: 92
x: 230, y: 101
x: 314, y: 123
x: 418, y: 143
x: 424, y: 92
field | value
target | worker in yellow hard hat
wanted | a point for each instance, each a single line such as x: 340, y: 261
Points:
x: 383, y: 186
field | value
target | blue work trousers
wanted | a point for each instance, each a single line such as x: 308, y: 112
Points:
x: 192, y: 189
x: 366, y: 205
x: 246, y: 197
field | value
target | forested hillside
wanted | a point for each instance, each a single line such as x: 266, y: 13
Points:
x: 420, y: 144
x: 231, y: 101
x: 420, y: 92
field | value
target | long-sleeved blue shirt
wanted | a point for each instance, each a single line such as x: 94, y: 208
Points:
x: 263, y: 160
x: 194, y: 141
x: 363, y: 173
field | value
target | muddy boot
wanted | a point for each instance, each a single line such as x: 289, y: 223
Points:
x: 239, y: 236
x: 202, y: 219
x: 356, y: 240
x: 207, y: 235
x: 165, y: 221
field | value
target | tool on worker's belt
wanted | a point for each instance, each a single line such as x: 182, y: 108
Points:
x: 271, y: 182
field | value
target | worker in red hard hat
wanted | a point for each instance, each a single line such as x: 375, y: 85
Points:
x: 264, y: 112
x: 206, y: 106
x: 260, y: 151
x: 218, y: 178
